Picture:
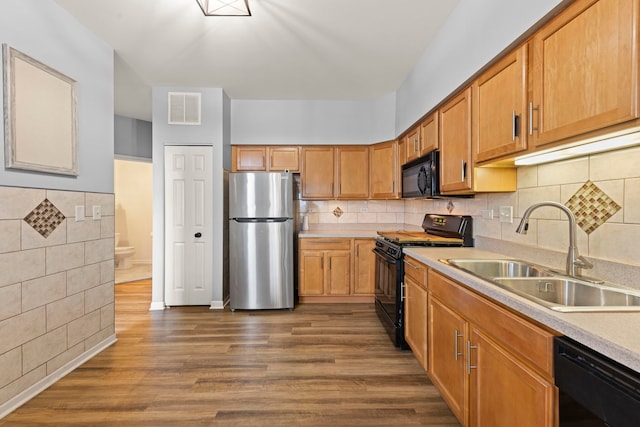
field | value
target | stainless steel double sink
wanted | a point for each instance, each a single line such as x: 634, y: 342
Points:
x: 548, y: 287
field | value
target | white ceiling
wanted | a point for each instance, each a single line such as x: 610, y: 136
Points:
x: 288, y: 49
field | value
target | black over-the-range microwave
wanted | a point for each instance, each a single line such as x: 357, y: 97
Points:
x: 420, y: 177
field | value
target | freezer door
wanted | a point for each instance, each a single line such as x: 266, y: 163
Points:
x: 260, y: 195
x: 261, y: 265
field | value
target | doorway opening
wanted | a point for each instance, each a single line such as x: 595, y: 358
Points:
x: 133, y: 189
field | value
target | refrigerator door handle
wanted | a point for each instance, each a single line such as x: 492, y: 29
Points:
x: 254, y: 220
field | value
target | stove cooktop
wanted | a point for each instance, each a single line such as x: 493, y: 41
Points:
x: 439, y: 230
x: 417, y: 237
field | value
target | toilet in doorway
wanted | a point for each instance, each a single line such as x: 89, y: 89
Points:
x: 123, y: 255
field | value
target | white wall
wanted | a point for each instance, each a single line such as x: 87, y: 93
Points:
x: 44, y: 31
x: 475, y: 33
x: 300, y: 122
x: 210, y: 132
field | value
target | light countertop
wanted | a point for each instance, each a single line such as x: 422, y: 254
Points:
x: 616, y: 335
x: 346, y: 233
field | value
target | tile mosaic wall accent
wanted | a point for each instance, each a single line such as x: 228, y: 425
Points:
x: 592, y: 207
x: 338, y: 212
x: 44, y: 218
x: 57, y: 294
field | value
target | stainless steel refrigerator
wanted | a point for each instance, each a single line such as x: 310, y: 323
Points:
x: 261, y: 240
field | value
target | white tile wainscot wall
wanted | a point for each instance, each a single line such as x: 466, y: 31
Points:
x: 56, y: 293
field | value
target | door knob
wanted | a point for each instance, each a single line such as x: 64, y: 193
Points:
x: 198, y: 234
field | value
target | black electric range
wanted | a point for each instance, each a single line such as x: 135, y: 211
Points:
x: 439, y: 230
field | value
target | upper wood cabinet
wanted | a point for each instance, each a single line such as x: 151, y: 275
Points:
x: 585, y: 69
x: 500, y: 108
x: 429, y: 134
x: 384, y: 170
x: 330, y: 172
x: 249, y: 158
x: 455, y: 144
x: 265, y: 158
x: 318, y: 172
x: 352, y: 172
x: 284, y: 158
x: 412, y: 143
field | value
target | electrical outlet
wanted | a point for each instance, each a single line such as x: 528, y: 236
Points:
x: 506, y: 214
x: 79, y: 213
x: 97, y: 212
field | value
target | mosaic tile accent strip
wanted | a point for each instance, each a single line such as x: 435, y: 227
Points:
x: 592, y: 207
x: 44, y: 218
x: 338, y: 212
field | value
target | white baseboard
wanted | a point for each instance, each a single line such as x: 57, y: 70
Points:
x: 33, y: 390
x: 217, y: 305
x: 156, y: 305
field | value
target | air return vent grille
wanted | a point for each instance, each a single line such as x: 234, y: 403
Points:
x: 184, y: 108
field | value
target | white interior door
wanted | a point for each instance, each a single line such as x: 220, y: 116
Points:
x: 188, y: 225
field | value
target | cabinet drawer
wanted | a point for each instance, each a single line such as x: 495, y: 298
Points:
x: 523, y: 338
x: 416, y: 270
x: 325, y: 243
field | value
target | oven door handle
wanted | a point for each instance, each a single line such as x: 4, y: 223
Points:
x: 386, y: 257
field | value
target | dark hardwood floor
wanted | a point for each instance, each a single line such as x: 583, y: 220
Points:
x: 319, y: 365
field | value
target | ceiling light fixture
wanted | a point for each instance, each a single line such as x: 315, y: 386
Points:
x: 611, y: 142
x: 225, y: 7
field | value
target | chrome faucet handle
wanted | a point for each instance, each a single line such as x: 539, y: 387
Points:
x: 581, y: 262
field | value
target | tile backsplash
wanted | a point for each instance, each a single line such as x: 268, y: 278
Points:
x: 613, y: 236
x: 56, y: 283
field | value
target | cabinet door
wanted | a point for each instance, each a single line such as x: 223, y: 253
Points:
x: 249, y: 158
x: 415, y: 332
x: 429, y: 134
x: 585, y: 69
x: 447, y: 332
x: 500, y: 106
x: 338, y: 273
x: 311, y: 277
x: 281, y: 158
x: 413, y: 143
x: 317, y: 172
x: 402, y: 154
x: 353, y: 172
x: 384, y: 170
x: 503, y: 391
x: 455, y: 144
x: 364, y: 267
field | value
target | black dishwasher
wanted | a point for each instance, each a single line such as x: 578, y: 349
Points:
x: 589, y: 380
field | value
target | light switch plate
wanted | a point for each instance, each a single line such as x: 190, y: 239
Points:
x: 97, y: 212
x: 79, y: 213
x: 506, y: 214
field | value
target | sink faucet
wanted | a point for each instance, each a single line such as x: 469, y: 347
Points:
x: 574, y: 261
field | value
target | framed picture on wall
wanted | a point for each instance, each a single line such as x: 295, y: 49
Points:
x: 40, y: 116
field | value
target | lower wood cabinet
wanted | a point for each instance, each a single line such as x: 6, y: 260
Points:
x: 364, y: 267
x: 493, y: 367
x: 415, y: 309
x: 447, y: 369
x: 336, y: 268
